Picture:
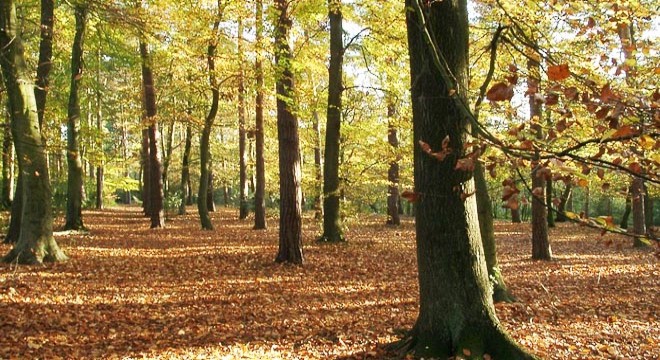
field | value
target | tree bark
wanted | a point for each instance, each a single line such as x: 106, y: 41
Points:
x: 186, y: 191
x: 627, y: 210
x: 242, y: 136
x: 45, y: 56
x: 260, y: 186
x: 318, y: 166
x: 332, y: 231
x: 167, y: 151
x: 7, y: 164
x: 290, y: 232
x: 393, y: 217
x: 204, y: 144
x: 155, y: 179
x: 36, y: 243
x: 146, y: 173
x: 456, y: 311
x: 99, y: 127
x: 638, y: 217
x: 540, y: 243
x: 74, y: 220
x: 549, y: 201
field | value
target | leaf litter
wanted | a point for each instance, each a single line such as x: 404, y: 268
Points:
x: 180, y: 292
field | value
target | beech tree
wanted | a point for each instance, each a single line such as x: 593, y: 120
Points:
x: 456, y: 313
x: 260, y: 167
x: 290, y: 243
x: 35, y: 243
x: 74, y: 220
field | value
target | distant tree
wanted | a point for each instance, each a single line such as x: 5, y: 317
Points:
x: 242, y: 134
x: 35, y: 243
x: 393, y: 199
x: 186, y: 191
x: 290, y: 247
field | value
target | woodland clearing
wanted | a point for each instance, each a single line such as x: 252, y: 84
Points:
x: 180, y: 292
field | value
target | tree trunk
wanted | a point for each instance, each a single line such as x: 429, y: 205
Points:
x: 549, y: 201
x: 627, y: 210
x: 99, y: 127
x: 45, y: 56
x: 210, y: 192
x: 648, y: 210
x: 638, y: 217
x: 167, y: 151
x: 587, y: 200
x: 74, y: 220
x: 318, y: 167
x: 540, y: 243
x: 487, y: 230
x: 332, y: 231
x: 186, y: 191
x: 456, y: 311
x: 242, y: 136
x: 563, y: 203
x: 204, y: 146
x: 36, y: 243
x: 146, y: 173
x: 515, y: 216
x: 7, y: 165
x: 393, y: 172
x: 260, y: 188
x: 290, y: 233
x: 155, y: 180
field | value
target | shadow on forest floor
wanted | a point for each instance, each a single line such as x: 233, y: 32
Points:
x: 180, y: 292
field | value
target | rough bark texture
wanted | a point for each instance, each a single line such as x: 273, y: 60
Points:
x: 540, y: 242
x: 242, y: 136
x: 456, y: 311
x: 260, y: 169
x: 290, y: 244
x: 74, y: 220
x: 155, y: 178
x: 393, y: 217
x: 487, y: 230
x: 36, y: 243
x: 185, y: 172
x: 332, y: 231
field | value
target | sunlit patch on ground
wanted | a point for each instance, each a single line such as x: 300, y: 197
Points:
x: 131, y: 293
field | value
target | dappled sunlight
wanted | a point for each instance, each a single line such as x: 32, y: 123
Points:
x: 181, y: 292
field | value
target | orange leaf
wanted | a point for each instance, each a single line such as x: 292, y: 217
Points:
x: 410, y: 196
x: 558, y: 72
x: 500, y: 92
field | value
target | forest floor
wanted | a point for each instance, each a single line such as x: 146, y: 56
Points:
x: 128, y: 292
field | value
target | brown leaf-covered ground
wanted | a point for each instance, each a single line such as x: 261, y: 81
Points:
x: 129, y: 292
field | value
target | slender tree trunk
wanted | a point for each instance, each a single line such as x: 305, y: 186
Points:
x: 487, y: 230
x: 45, y: 56
x: 627, y: 210
x: 648, y: 210
x: 456, y: 311
x: 587, y: 200
x: 540, y: 243
x: 332, y: 231
x: 36, y: 243
x: 204, y: 146
x: 290, y: 244
x: 210, y: 192
x: 155, y: 181
x: 99, y: 126
x: 169, y: 139
x: 186, y: 191
x: 74, y: 220
x: 7, y: 165
x: 638, y: 217
x: 548, y: 199
x: 318, y: 166
x: 242, y: 136
x: 515, y: 216
x: 563, y: 202
x: 146, y: 174
x: 393, y: 172
x: 260, y: 188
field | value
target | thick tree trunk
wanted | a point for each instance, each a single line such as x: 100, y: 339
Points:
x: 393, y: 172
x: 260, y: 186
x: 332, y: 231
x: 540, y: 242
x: 36, y: 243
x: 74, y: 220
x: 242, y: 136
x: 204, y: 145
x: 487, y: 230
x: 563, y: 202
x: 155, y: 180
x: 186, y: 191
x: 456, y: 312
x: 290, y: 244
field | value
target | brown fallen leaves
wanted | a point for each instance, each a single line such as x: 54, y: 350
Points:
x: 179, y: 292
